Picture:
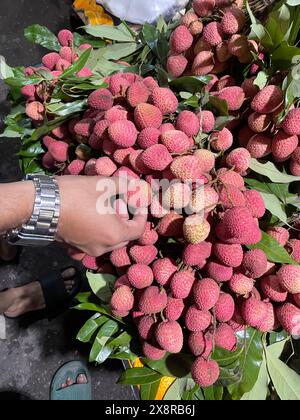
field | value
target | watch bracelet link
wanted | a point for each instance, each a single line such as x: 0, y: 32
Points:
x: 41, y: 229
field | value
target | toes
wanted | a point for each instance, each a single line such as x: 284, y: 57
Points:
x: 70, y: 382
x: 68, y: 273
x: 82, y: 379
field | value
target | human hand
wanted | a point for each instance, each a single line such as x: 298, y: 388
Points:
x: 91, y: 219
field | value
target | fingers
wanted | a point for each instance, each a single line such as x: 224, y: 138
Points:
x: 136, y: 226
x: 121, y: 209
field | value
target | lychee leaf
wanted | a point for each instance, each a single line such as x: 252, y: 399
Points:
x: 273, y: 250
x: 102, y: 285
x: 260, y: 390
x: 42, y: 36
x: 148, y: 392
x: 193, y: 84
x: 269, y: 170
x: 90, y: 327
x: 173, y: 365
x: 139, y: 376
x: 109, y: 32
x: 274, y: 206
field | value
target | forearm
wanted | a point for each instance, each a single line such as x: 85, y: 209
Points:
x: 17, y: 201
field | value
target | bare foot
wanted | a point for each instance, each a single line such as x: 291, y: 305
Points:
x: 81, y: 379
x: 29, y: 298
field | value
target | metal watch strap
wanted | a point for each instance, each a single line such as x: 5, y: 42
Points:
x: 41, y: 228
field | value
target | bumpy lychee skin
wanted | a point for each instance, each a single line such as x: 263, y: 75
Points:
x: 176, y: 65
x: 250, y: 88
x: 296, y: 298
x: 268, y: 324
x: 230, y: 196
x: 206, y: 159
x: 272, y: 289
x: 188, y: 123
x: 118, y: 85
x: 150, y: 236
x: 101, y: 100
x: 219, y: 272
x: 280, y: 234
x: 207, y: 121
x: 267, y: 100
x: 225, y: 337
x: 163, y: 270
x: 234, y: 96
x: 283, y: 145
x: 200, y: 344
x: 289, y: 278
x: 196, y: 320
x: 296, y: 155
x: 259, y: 122
x: 182, y: 283
x: 147, y: 115
x: 294, y: 249
x: 291, y: 123
x: 255, y: 203
x: 294, y: 168
x: 59, y: 151
x: 186, y: 168
x: 143, y: 254
x: 195, y: 254
x: 205, y: 373
x: 120, y: 258
x: 233, y: 21
x: 228, y: 177
x: 255, y: 263
x: 189, y: 18
x: 157, y: 157
x: 65, y: 38
x: 177, y: 196
x: 241, y: 284
x: 169, y: 336
x: 221, y: 140
x: 213, y: 34
x: 165, y: 100
x: 152, y: 300
x: 35, y: 110
x: 181, y: 40
x: 146, y: 327
x: 203, y: 64
x: 253, y: 311
x: 225, y: 307
x: 122, y: 281
x: 123, y: 133
x: 204, y: 8
x: 196, y: 229
x: 239, y: 159
x: 259, y: 146
x: 176, y: 141
x: 140, y: 276
x: 238, y: 227
x: 105, y: 166
x: 50, y: 60
x: 289, y: 317
x: 122, y: 299
x: 152, y: 352
x: 228, y: 254
x: 47, y: 161
x: 223, y: 55
x: 206, y: 294
x: 137, y: 93
x: 174, y: 309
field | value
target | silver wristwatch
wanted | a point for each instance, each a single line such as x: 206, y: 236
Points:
x: 41, y: 229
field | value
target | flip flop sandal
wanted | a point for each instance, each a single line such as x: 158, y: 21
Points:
x: 57, y: 299
x: 76, y: 392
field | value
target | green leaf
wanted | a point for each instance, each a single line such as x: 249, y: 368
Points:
x: 274, y: 206
x: 277, y: 348
x: 81, y: 39
x: 5, y: 70
x: 269, y: 170
x: 172, y: 365
x: 213, y: 393
x: 118, y: 51
x: 260, y: 390
x: 219, y: 104
x: 92, y: 307
x: 193, y: 84
x: 284, y: 54
x: 109, y: 32
x: 90, y: 327
x: 42, y: 36
x: 78, y: 65
x: 150, y: 35
x: 222, y: 122
x: 285, y: 380
x: 148, y: 392
x: 66, y: 109
x: 174, y: 392
x: 293, y: 2
x: 261, y: 79
x: 84, y: 297
x: 101, y: 285
x: 273, y: 250
x: 106, y: 331
x: 259, y: 32
x: 139, y: 376
x: 276, y: 337
x: 251, y: 362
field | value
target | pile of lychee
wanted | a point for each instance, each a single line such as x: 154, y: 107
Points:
x: 215, y: 286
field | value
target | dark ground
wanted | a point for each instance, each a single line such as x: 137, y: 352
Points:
x: 31, y: 354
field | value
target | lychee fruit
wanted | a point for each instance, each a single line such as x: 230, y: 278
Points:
x: 204, y: 8
x: 65, y: 37
x: 259, y: 122
x: 289, y: 278
x: 196, y: 229
x: 163, y: 269
x: 267, y: 100
x: 239, y: 159
x: 291, y: 123
x: 149, y: 237
x: 176, y: 65
x: 152, y: 352
x: 259, y: 146
x: 174, y: 309
x: 137, y: 93
x: 101, y: 100
x: 152, y: 300
x: 165, y: 100
x: 213, y: 34
x: 225, y: 337
x: 219, y: 272
x: 234, y: 96
x: 280, y: 234
x: 176, y: 141
x: 254, y: 311
x: 123, y: 133
x: 116, y: 113
x: 182, y: 283
x: 36, y: 111
x: 50, y: 60
x: 122, y: 281
x: 122, y: 299
x: 59, y: 151
x: 206, y: 159
x: 255, y: 263
x: 272, y: 289
x: 205, y: 373
x: 241, y: 284
x: 206, y: 294
x: 157, y: 157
x: 229, y: 254
x: 233, y: 21
x: 148, y: 137
x: 186, y: 168
x: 76, y: 167
x: 228, y: 177
x: 181, y: 40
x: 105, y: 166
x: 289, y: 317
x: 146, y: 327
x: 140, y: 276
x: 221, y: 140
x: 120, y: 258
x: 283, y: 145
x: 196, y: 320
x: 169, y: 336
x: 203, y: 63
x: 188, y: 123
x: 147, y: 115
x: 230, y: 196
x: 207, y: 121
x: 224, y: 308
x: 194, y: 255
